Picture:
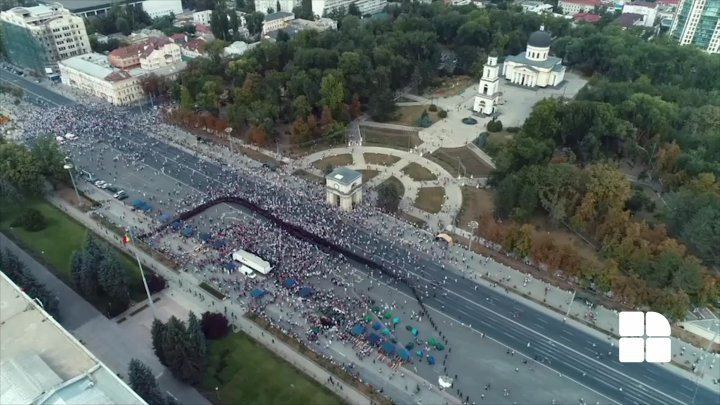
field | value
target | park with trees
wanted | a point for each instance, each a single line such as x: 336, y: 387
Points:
x: 632, y: 161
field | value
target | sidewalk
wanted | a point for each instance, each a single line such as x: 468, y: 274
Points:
x: 175, y: 279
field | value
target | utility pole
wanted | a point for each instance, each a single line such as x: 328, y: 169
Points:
x: 142, y: 274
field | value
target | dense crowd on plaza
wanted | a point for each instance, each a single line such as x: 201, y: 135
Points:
x: 332, y: 310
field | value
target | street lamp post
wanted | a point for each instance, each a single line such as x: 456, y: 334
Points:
x: 473, y: 225
x: 69, y: 167
x: 142, y: 275
x: 228, y: 131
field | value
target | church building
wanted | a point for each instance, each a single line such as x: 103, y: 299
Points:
x: 488, y: 96
x: 535, y: 67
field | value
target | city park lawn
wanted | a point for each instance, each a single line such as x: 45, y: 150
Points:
x: 55, y: 244
x: 245, y: 372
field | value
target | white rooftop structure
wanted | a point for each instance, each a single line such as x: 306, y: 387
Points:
x: 41, y: 363
x: 252, y: 261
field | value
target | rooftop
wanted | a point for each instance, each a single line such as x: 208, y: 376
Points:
x: 93, y: 64
x: 583, y: 2
x: 43, y: 364
x: 343, y: 175
x: 644, y: 4
x: 587, y: 17
x: 542, y: 64
x: 278, y: 15
x: 629, y: 19
x: 75, y: 5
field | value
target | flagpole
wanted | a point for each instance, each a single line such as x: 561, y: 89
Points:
x: 142, y: 274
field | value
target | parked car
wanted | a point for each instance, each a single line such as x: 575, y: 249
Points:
x: 112, y: 189
x: 120, y: 195
x: 101, y: 184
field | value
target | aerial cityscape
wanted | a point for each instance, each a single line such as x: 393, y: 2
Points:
x: 360, y: 202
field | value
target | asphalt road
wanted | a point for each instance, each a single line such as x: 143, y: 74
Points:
x: 563, y: 347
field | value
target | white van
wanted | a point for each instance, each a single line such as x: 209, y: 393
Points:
x: 70, y: 137
x: 247, y: 271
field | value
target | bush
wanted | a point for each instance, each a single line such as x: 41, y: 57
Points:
x: 494, y: 126
x: 442, y: 114
x: 214, y: 325
x: 155, y: 282
x: 425, y: 121
x: 31, y: 220
x: 432, y: 108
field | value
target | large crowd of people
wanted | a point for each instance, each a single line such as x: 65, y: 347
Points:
x: 113, y: 140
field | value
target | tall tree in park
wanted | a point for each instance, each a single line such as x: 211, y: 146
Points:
x: 158, y: 335
x: 114, y: 281
x: 84, y: 264
x: 19, y: 168
x: 50, y: 159
x: 332, y: 91
x: 17, y: 272
x: 214, y: 325
x: 142, y: 381
x: 197, y: 343
x: 186, y: 99
x: 183, y: 349
x: 254, y: 22
x: 388, y: 196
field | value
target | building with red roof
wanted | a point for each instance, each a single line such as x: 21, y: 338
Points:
x: 587, y: 17
x: 154, y: 53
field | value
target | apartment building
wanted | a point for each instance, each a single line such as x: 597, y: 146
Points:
x: 572, y: 7
x: 39, y: 37
x: 644, y: 8
x: 322, y: 7
x: 697, y: 23
x: 154, y: 53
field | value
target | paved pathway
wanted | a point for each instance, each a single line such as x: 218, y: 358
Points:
x: 453, y: 191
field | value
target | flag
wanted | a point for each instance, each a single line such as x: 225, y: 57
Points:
x: 126, y: 239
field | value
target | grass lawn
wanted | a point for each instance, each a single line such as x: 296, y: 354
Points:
x: 304, y: 174
x: 380, y: 159
x: 418, y: 172
x: 55, y: 244
x: 430, y: 199
x: 368, y: 175
x: 334, y: 161
x: 391, y: 138
x: 247, y: 373
x: 410, y: 115
x: 477, y: 202
x: 455, y: 159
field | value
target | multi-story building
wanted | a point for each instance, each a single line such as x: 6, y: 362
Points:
x: 94, y: 75
x: 42, y: 363
x: 161, y: 8
x: 202, y: 17
x: 87, y: 8
x: 697, y: 23
x: 285, y: 5
x: 644, y: 8
x: 572, y: 7
x: 276, y: 21
x: 38, y: 37
x: 322, y: 7
x: 154, y: 53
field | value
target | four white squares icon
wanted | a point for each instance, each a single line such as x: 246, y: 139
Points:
x: 657, y: 350
x: 632, y: 350
x: 632, y: 323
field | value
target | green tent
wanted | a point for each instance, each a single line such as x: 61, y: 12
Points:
x: 432, y: 342
x: 388, y: 315
x: 440, y: 346
x: 368, y: 317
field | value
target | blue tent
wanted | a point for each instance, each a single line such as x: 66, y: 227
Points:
x: 377, y: 326
x: 290, y: 283
x: 403, y: 354
x: 257, y: 293
x: 374, y: 338
x: 431, y: 360
x: 388, y: 348
x: 204, y: 236
x: 187, y: 231
x: 165, y: 218
x: 218, y: 244
x: 306, y: 292
x: 357, y: 330
x: 396, y: 321
x: 230, y: 266
x: 146, y: 207
x: 176, y: 225
x: 137, y: 203
x: 385, y: 331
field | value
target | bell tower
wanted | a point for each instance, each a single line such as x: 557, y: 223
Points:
x: 488, y: 95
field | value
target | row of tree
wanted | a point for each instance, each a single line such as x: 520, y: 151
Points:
x: 18, y: 273
x: 25, y: 172
x: 181, y: 347
x: 122, y: 17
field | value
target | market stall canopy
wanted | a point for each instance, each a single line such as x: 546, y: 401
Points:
x: 187, y: 231
x: 374, y: 338
x: 166, y: 217
x: 444, y: 237
x: 290, y: 283
x: 357, y: 330
x: 306, y: 292
x: 388, y: 348
x: 257, y: 293
x: 403, y: 354
x: 377, y: 326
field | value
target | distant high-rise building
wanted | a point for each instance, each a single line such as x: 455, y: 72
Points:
x: 697, y: 23
x: 38, y: 37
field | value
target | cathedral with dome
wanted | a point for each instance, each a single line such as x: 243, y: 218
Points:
x: 535, y: 67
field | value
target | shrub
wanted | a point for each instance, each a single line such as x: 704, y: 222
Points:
x: 432, y: 107
x: 214, y: 325
x: 32, y: 220
x: 494, y: 126
x: 442, y: 114
x: 155, y: 282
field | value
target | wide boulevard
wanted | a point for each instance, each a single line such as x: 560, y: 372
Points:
x: 537, y: 333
